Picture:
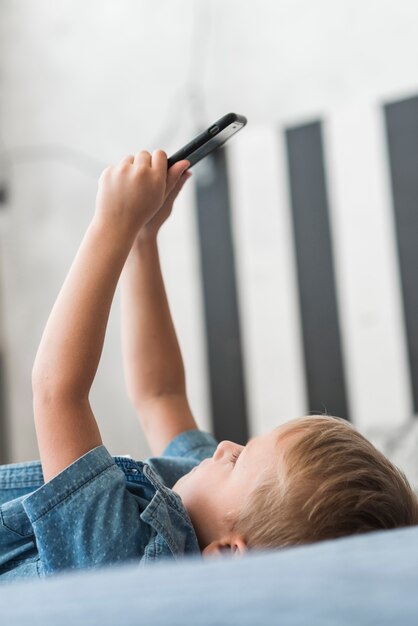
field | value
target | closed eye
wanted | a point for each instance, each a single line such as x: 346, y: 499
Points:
x: 234, y: 456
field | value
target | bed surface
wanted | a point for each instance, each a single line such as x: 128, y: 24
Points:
x: 368, y: 579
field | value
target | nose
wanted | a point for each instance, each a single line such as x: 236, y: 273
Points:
x: 224, y: 448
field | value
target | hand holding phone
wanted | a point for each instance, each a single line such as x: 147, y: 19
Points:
x: 205, y: 143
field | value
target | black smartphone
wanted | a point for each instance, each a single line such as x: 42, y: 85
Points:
x: 209, y: 140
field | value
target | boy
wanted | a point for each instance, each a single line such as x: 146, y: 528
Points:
x: 310, y: 479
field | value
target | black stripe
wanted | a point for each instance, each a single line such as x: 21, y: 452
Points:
x: 4, y: 448
x: 316, y: 281
x: 402, y: 137
x: 229, y: 412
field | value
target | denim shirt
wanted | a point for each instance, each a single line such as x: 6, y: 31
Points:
x: 98, y: 511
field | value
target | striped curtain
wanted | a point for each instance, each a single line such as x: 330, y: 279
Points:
x: 308, y: 253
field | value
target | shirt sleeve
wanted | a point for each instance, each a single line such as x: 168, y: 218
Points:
x: 182, y: 454
x: 192, y: 444
x: 85, y: 516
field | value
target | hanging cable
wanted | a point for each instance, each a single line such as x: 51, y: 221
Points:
x: 190, y: 93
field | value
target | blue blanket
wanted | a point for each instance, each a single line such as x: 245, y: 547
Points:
x: 368, y: 579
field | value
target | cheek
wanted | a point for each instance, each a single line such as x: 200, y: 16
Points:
x: 194, y: 477
x: 202, y: 478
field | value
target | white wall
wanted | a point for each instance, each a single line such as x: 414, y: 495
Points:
x: 83, y: 83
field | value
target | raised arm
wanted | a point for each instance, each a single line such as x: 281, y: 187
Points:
x: 153, y: 364
x: 129, y: 194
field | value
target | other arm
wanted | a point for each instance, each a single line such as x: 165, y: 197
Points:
x: 72, y: 342
x: 153, y: 364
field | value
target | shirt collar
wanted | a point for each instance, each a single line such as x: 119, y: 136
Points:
x: 167, y: 514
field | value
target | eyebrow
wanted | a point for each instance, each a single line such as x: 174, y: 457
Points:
x: 249, y: 444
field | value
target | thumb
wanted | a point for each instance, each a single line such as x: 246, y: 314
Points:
x: 174, y: 174
x: 172, y: 195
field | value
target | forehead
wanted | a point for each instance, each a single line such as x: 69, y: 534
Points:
x: 286, y: 434
x: 273, y: 440
x: 268, y: 451
x: 277, y: 441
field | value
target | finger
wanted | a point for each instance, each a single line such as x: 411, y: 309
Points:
x: 143, y: 158
x: 183, y: 178
x: 159, y: 160
x: 127, y: 160
x: 175, y: 172
x: 178, y: 187
x: 159, y: 165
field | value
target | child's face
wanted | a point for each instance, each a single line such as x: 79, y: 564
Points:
x: 220, y: 485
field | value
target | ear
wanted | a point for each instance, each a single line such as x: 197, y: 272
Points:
x: 231, y: 546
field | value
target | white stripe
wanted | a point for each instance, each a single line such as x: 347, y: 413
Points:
x: 368, y: 283
x: 180, y: 264
x: 270, y: 324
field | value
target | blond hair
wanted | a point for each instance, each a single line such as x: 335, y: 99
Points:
x: 336, y: 483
